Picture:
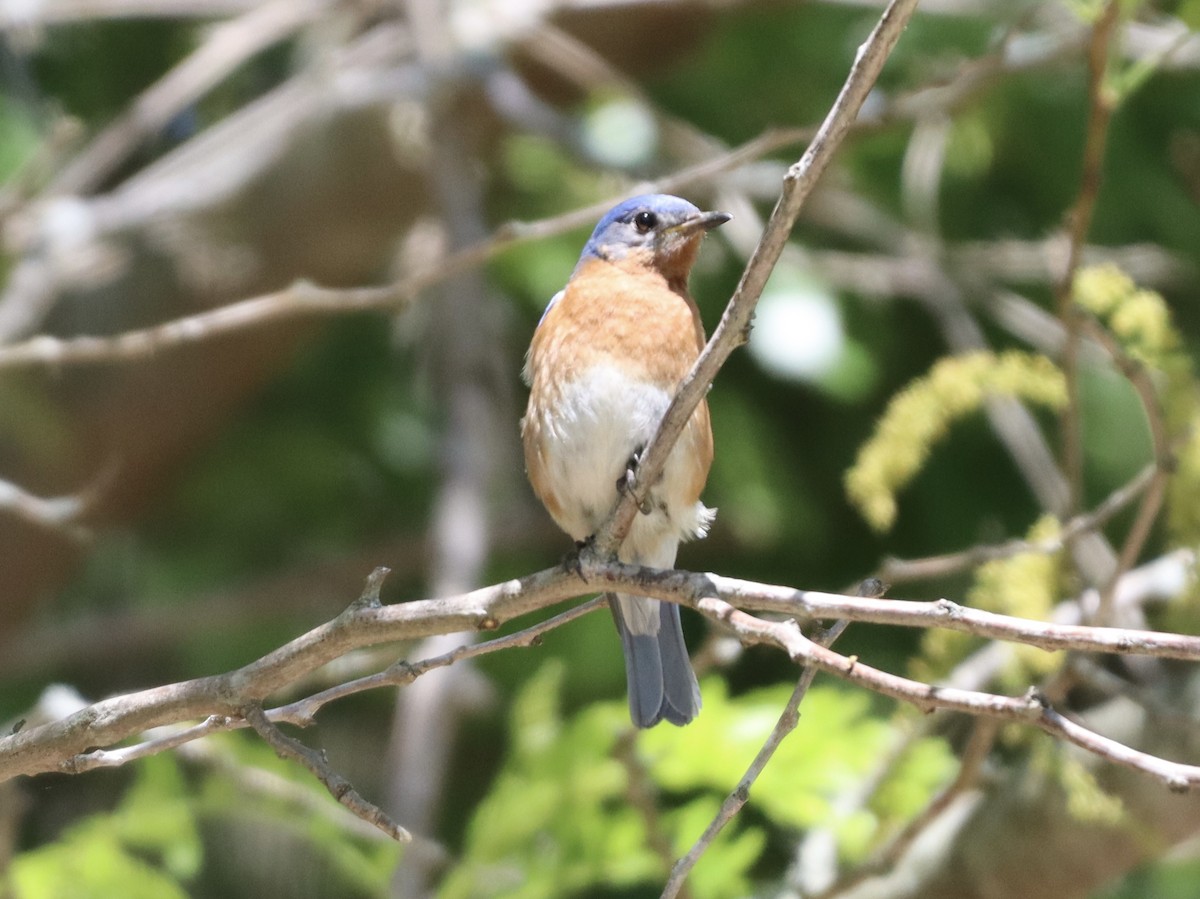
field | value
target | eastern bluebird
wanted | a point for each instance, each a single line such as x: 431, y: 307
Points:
x: 605, y: 362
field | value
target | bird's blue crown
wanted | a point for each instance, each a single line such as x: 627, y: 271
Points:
x: 616, y: 229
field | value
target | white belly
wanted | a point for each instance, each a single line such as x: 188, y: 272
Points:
x: 602, y: 419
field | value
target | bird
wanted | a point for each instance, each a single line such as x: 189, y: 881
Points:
x: 605, y: 361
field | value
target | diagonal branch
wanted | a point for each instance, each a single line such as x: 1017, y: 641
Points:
x: 734, y: 327
x: 1079, y: 221
x: 895, y: 570
x: 305, y: 300
x: 228, y: 46
x: 315, y: 762
x: 788, y: 719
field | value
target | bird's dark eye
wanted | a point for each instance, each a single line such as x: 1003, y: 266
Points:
x: 645, y: 221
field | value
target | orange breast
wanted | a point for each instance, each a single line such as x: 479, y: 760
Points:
x: 623, y: 315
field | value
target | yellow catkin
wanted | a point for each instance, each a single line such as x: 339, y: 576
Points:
x: 922, y: 413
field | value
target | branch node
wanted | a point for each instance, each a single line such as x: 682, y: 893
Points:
x: 873, y: 588
x: 949, y: 608
x: 369, y: 598
x: 1036, y: 699
x: 402, y: 672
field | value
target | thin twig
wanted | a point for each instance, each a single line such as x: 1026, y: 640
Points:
x: 340, y: 788
x: 1030, y: 709
x: 788, y: 719
x: 642, y: 795
x: 1163, y: 464
x: 900, y: 571
x: 255, y: 781
x: 979, y: 745
x: 303, y: 299
x: 303, y: 712
x: 227, y: 46
x: 1079, y: 221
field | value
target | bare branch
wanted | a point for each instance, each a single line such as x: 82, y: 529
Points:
x: 53, y: 746
x: 256, y: 781
x: 227, y: 47
x: 733, y: 329
x: 898, y: 571
x: 298, y: 301
x: 303, y: 299
x: 314, y: 761
x: 788, y: 719
x: 1030, y: 709
x: 1164, y: 463
x: 1079, y: 223
x: 303, y: 712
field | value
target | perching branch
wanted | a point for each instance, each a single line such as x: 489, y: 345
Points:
x: 56, y: 746
x: 303, y: 712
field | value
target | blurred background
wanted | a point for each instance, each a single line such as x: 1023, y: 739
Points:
x: 171, y: 508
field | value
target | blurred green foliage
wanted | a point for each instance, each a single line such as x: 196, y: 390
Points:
x: 147, y: 848
x: 564, y: 815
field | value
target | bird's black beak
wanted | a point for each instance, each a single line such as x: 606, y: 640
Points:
x: 705, y: 221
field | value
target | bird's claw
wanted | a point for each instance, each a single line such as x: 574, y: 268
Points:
x: 572, y: 562
x: 584, y: 556
x: 627, y: 482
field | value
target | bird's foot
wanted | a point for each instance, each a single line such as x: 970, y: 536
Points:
x: 627, y: 482
x: 585, y: 556
x: 573, y: 561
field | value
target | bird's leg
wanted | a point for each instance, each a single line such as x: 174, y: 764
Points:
x: 627, y: 482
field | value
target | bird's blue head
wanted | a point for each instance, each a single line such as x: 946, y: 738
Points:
x: 654, y: 229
